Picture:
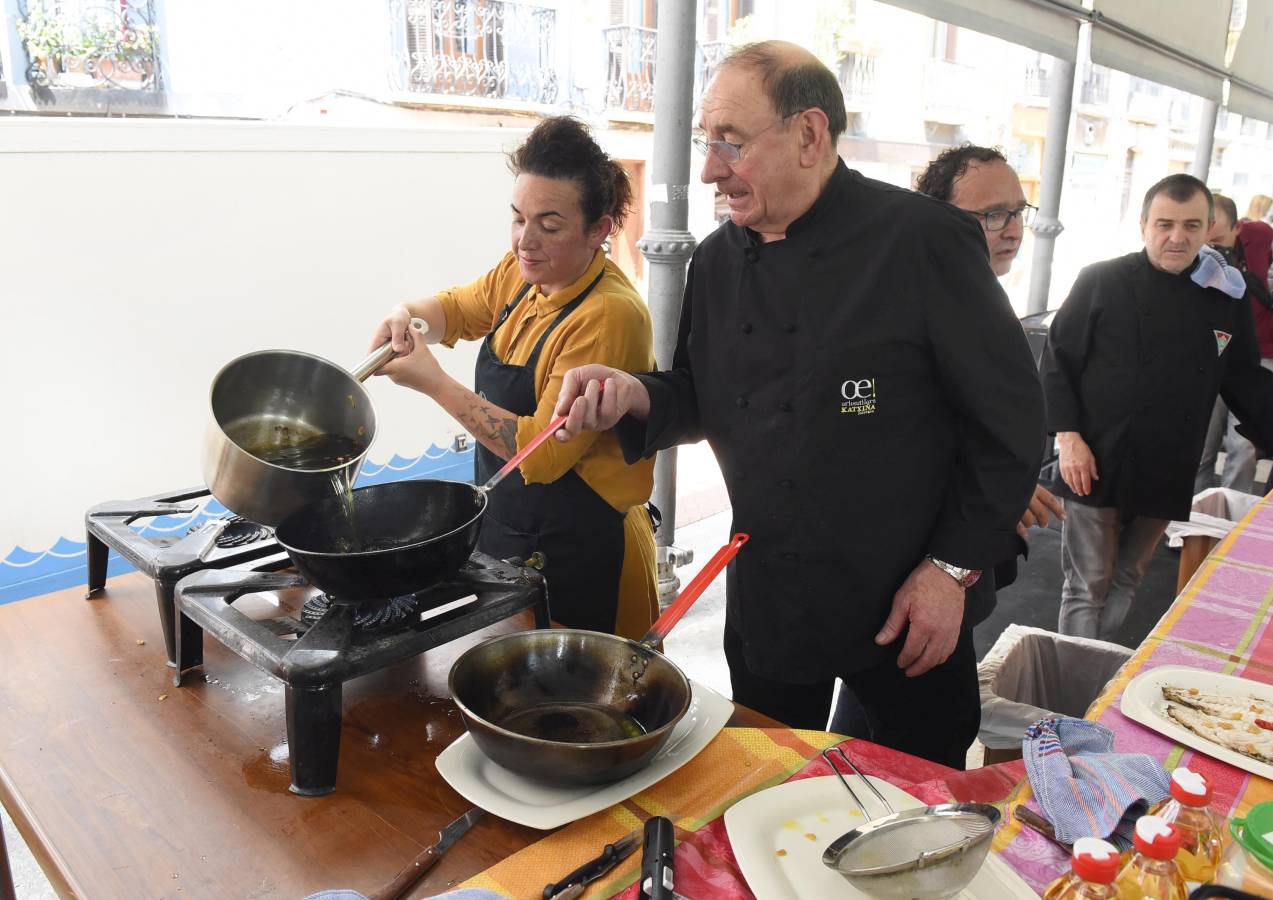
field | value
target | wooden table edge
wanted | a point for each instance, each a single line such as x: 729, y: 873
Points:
x: 51, y: 863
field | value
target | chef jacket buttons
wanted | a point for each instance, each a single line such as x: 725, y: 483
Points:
x: 746, y: 328
x: 784, y: 406
x: 752, y: 254
x: 740, y: 402
x: 792, y: 555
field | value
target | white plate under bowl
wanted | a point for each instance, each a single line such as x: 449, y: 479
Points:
x: 527, y: 802
x: 778, y: 836
x: 1143, y: 702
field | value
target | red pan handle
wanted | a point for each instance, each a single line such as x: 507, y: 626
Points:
x: 694, y: 589
x: 531, y: 446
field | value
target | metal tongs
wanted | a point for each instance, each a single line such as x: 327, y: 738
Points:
x: 826, y: 754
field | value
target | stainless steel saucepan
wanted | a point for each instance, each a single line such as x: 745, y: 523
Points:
x: 280, y: 398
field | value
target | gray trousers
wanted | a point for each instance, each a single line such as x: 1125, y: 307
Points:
x: 1103, y: 559
x: 1239, y: 453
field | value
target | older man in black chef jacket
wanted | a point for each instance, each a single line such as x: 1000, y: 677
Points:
x: 1135, y: 359
x: 847, y: 352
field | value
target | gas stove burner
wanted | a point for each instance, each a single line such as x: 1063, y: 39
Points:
x: 238, y: 532
x: 395, y: 612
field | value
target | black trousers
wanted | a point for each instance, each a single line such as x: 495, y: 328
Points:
x: 935, y: 715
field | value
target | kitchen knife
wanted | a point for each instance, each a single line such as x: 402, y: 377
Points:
x: 1036, y: 822
x: 573, y: 884
x: 416, y: 869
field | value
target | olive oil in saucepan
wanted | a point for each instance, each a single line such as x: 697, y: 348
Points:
x: 316, y: 452
x: 308, y: 452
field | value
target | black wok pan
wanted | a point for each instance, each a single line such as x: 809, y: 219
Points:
x: 575, y: 707
x: 404, y: 536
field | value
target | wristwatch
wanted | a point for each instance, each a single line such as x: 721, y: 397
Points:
x: 965, y: 577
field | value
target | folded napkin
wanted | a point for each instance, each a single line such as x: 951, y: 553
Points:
x: 1083, y: 787
x: 1214, y: 272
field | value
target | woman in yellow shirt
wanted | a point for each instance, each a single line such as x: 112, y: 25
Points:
x: 553, y: 303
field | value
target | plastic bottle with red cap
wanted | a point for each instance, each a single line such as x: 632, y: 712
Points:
x: 1189, y: 810
x: 1152, y: 873
x: 1094, y: 867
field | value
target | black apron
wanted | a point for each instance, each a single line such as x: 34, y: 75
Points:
x: 578, y: 532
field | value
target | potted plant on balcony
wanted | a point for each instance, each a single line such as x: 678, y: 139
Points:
x: 41, y: 35
x: 88, y: 52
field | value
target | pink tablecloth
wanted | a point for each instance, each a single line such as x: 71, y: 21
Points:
x: 1219, y: 623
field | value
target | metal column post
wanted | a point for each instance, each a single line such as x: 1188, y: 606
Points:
x: 667, y: 244
x: 1206, y: 140
x: 1048, y: 225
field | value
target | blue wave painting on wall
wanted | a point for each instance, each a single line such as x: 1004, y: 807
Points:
x: 24, y: 573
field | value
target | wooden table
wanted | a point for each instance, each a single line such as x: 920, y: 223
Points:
x: 124, y: 786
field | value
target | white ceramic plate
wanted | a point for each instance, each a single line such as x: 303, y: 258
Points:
x: 778, y: 836
x: 1143, y: 702
x: 518, y: 799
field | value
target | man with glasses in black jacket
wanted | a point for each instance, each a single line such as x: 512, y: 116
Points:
x: 872, y: 402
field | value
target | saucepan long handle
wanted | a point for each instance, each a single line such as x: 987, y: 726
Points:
x: 383, y: 354
x: 694, y: 589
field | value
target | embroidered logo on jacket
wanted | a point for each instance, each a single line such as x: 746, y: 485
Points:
x: 1222, y: 341
x: 859, y: 396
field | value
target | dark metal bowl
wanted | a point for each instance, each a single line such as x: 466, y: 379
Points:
x: 556, y: 684
x: 421, y: 532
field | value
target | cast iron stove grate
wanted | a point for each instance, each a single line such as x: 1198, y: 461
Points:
x: 315, y: 658
x: 166, y: 559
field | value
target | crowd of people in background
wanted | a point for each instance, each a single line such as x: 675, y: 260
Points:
x: 1151, y: 368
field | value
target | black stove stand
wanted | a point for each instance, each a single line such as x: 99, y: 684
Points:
x: 168, y: 559
x: 333, y: 646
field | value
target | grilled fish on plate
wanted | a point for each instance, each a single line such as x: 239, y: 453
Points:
x: 1242, y: 724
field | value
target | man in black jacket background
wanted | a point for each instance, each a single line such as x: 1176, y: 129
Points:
x: 846, y: 350
x: 1135, y: 359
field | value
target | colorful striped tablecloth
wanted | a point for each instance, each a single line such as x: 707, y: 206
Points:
x: 1220, y: 622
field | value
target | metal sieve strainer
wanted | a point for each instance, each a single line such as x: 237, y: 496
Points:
x: 932, y: 852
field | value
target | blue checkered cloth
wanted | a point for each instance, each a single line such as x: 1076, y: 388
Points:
x: 1084, y: 788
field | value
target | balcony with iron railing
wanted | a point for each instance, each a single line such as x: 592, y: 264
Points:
x: 1180, y: 112
x: 857, y: 80
x: 948, y: 89
x: 712, y: 53
x: 630, y: 55
x: 1095, y: 87
x: 491, y: 49
x: 1147, y: 100
x: 1254, y: 128
x: 1035, y: 84
x: 97, y: 45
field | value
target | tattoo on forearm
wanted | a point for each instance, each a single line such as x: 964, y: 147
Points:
x: 492, y: 426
